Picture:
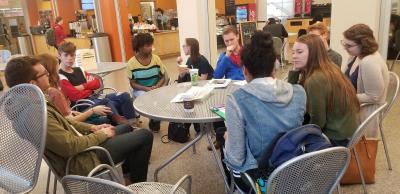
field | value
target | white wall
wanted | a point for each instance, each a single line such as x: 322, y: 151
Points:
x: 197, y: 20
x: 347, y: 13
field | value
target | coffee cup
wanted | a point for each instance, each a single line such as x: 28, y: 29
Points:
x: 194, y: 76
x: 188, y: 103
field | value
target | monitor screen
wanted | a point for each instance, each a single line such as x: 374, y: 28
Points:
x: 87, y: 4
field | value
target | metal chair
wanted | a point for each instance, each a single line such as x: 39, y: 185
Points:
x: 316, y: 172
x: 360, y: 131
x: 100, y: 171
x: 78, y: 184
x: 23, y: 122
x: 5, y: 55
x: 393, y: 91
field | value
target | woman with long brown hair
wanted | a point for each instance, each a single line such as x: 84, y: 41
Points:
x: 332, y: 103
x: 50, y: 63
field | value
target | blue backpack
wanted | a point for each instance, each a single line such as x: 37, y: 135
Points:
x: 298, y: 141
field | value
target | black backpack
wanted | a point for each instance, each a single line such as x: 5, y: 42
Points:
x: 177, y: 132
x: 50, y: 37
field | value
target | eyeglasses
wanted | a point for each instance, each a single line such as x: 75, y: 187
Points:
x: 346, y: 45
x: 45, y: 73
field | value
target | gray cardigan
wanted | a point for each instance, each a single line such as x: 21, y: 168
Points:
x: 372, y: 84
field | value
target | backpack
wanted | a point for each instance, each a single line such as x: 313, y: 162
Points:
x: 50, y: 37
x: 298, y: 141
x: 177, y: 132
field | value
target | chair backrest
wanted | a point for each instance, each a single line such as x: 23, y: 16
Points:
x: 361, y: 129
x: 317, y: 172
x: 23, y: 123
x: 79, y: 184
x: 5, y: 55
x: 86, y: 59
x: 277, y: 45
x: 392, y: 92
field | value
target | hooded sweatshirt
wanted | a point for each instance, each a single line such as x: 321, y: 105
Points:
x: 256, y: 114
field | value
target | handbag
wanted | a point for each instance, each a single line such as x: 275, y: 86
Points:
x: 366, y: 150
x: 176, y: 132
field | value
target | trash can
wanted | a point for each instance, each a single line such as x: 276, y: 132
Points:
x: 25, y: 44
x: 101, y: 46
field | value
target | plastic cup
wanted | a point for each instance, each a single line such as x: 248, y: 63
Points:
x: 188, y: 103
x: 194, y: 76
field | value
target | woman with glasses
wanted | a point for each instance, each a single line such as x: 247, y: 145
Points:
x: 332, y: 103
x: 366, y: 69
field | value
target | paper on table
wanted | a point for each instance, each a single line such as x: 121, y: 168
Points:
x: 197, y: 91
x: 219, y: 83
x: 241, y: 83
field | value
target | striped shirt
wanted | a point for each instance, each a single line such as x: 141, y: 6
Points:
x: 146, y: 75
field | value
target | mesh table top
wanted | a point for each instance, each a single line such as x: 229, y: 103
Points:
x: 156, y: 104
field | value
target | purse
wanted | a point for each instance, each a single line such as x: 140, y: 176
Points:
x: 366, y: 150
x: 176, y: 132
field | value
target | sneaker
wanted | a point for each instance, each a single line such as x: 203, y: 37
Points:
x: 216, y: 145
x: 119, y: 119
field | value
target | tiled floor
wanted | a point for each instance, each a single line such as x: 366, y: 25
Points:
x: 206, y: 179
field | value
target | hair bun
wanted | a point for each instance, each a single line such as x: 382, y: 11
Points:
x: 261, y: 43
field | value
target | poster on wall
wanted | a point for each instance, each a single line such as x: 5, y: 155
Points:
x: 246, y: 30
x: 307, y: 7
x: 297, y: 7
x: 252, y: 12
x: 241, y: 13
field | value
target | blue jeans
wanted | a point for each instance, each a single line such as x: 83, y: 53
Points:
x: 120, y: 104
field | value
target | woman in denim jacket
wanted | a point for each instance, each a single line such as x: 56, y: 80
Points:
x: 260, y: 110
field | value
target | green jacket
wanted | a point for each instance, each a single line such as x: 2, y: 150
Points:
x: 62, y: 142
x: 336, y: 124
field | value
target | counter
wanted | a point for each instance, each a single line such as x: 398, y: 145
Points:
x: 166, y: 43
x: 41, y: 47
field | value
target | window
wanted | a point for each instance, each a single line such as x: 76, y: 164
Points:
x: 87, y: 4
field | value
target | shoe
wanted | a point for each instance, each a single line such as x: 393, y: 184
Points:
x: 216, y: 145
x: 154, y: 126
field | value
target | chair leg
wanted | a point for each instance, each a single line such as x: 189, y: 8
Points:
x: 338, y: 188
x: 48, y: 181
x: 360, y: 170
x: 385, y: 147
x: 55, y: 185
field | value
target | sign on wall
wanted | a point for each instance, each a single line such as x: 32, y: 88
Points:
x: 247, y: 30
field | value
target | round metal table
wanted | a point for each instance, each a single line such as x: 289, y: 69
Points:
x: 156, y: 104
x: 105, y: 68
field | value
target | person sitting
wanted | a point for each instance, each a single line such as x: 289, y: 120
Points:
x: 276, y: 30
x: 332, y: 103
x: 367, y: 71
x: 195, y: 61
x: 254, y: 112
x: 93, y: 115
x: 321, y: 30
x: 66, y: 137
x: 77, y: 84
x: 228, y: 64
x: 145, y: 70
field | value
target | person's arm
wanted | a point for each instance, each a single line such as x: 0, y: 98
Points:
x: 65, y: 143
x: 372, y: 81
x: 235, y: 144
x: 161, y: 81
x: 316, y: 90
x: 72, y: 93
x: 91, y: 84
x: 137, y: 86
x: 221, y: 68
x: 204, y: 68
x: 98, y: 110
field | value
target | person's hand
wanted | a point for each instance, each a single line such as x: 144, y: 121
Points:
x: 179, y: 60
x: 109, y: 131
x: 75, y: 113
x: 99, y: 127
x: 183, y: 70
x: 229, y: 50
x: 101, y: 110
x: 154, y: 87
